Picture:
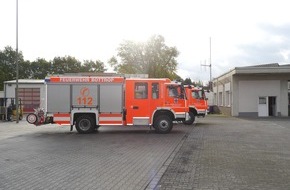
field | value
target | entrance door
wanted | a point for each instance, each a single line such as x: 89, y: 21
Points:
x: 267, y: 106
x: 263, y: 109
x: 272, y: 105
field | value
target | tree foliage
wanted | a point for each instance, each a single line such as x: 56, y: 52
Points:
x: 153, y: 57
x: 40, y: 68
x: 68, y: 64
x: 93, y: 66
x: 8, y: 65
x: 188, y: 81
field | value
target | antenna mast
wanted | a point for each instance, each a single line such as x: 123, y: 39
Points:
x: 209, y: 65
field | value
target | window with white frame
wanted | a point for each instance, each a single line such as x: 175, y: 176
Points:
x: 227, y: 99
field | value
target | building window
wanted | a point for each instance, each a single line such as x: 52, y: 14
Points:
x: 141, y: 90
x: 227, y: 99
x: 220, y: 103
x: 262, y: 100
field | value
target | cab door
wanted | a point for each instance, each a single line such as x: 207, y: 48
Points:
x: 137, y: 102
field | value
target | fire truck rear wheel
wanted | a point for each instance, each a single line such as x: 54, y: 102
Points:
x: 85, y: 124
x: 191, y: 119
x: 163, y: 124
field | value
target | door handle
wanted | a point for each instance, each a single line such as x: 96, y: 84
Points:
x: 135, y: 107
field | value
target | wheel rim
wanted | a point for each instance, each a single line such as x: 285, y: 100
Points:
x: 31, y: 118
x: 85, y: 124
x: 164, y: 124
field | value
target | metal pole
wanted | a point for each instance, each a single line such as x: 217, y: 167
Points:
x: 210, y: 77
x: 17, y: 66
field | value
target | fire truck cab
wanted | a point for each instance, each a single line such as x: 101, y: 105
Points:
x: 90, y: 102
x: 197, y: 103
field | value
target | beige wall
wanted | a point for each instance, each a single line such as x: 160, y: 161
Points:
x: 245, y: 90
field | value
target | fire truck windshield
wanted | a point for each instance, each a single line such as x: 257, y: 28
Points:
x: 176, y: 91
x: 198, y: 94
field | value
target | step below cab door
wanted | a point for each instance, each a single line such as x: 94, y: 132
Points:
x: 137, y: 102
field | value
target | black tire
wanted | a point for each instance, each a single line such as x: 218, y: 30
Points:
x: 190, y: 120
x: 163, y: 124
x: 96, y: 128
x: 85, y: 124
x: 31, y: 118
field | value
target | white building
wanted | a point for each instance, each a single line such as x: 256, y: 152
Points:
x: 257, y: 91
x: 32, y: 93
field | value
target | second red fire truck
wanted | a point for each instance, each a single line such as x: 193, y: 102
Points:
x: 197, y: 103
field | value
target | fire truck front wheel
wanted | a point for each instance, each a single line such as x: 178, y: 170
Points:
x: 163, y: 124
x: 85, y: 124
x: 190, y: 120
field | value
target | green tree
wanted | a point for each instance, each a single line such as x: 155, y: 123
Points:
x: 198, y: 83
x: 8, y: 65
x: 40, y: 68
x: 188, y: 81
x: 67, y: 64
x: 153, y: 57
x: 24, y: 69
x: 93, y: 66
x: 2, y: 78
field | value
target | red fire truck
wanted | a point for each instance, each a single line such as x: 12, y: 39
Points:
x: 197, y: 103
x: 88, y: 102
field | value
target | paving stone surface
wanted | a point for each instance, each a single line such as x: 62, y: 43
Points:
x: 232, y: 153
x: 217, y: 152
x: 51, y: 157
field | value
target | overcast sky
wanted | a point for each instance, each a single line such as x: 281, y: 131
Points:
x: 243, y: 32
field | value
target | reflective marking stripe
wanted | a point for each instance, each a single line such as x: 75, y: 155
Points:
x: 110, y: 123
x: 62, y: 122
x: 61, y: 118
x: 110, y: 119
x: 61, y: 115
x: 110, y: 115
x: 180, y: 114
